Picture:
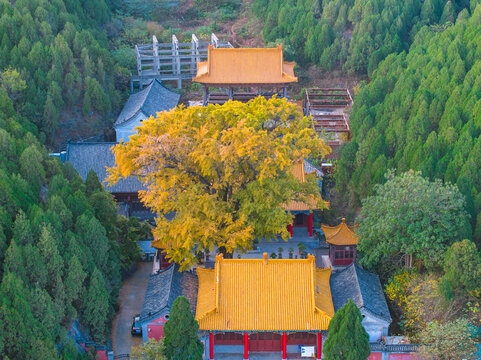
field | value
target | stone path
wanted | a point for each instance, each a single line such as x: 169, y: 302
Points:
x: 131, y: 298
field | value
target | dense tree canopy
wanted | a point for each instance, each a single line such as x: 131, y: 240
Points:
x: 449, y: 341
x: 347, y: 340
x: 356, y: 34
x: 61, y: 54
x: 410, y: 218
x: 421, y: 112
x: 225, y: 171
x: 60, y: 258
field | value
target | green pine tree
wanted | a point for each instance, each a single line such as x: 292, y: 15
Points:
x: 181, y: 340
x: 96, y: 307
x: 92, y: 183
x: 347, y: 339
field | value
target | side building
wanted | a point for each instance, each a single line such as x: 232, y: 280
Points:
x: 163, y: 288
x: 365, y: 290
x: 143, y: 104
x: 97, y: 157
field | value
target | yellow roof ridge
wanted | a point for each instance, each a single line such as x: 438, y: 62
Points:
x: 203, y: 316
x: 322, y: 312
x: 340, y: 234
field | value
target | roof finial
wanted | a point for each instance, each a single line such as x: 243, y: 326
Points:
x: 265, y: 258
x: 343, y: 220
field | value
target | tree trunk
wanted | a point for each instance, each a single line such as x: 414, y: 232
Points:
x: 227, y: 255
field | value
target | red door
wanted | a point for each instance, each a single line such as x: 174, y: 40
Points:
x: 265, y: 342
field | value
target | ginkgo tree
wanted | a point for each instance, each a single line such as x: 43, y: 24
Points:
x: 224, y: 171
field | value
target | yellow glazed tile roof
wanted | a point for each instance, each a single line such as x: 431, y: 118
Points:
x: 340, y: 234
x: 245, y: 66
x: 264, y: 295
x: 299, y: 172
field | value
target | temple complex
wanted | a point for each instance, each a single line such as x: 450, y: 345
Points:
x: 342, y: 243
x: 243, y: 74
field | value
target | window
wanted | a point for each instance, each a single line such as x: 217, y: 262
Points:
x: 344, y: 253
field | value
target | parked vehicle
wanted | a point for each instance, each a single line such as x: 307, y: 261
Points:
x: 136, y: 328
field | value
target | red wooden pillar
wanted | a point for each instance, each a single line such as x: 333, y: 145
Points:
x: 211, y: 346
x: 310, y: 224
x: 284, y: 346
x: 246, y: 346
x: 289, y: 228
x: 319, y: 345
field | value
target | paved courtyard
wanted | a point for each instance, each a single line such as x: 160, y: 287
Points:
x: 131, y: 298
x: 301, y: 235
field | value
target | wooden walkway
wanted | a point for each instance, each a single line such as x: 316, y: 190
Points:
x: 326, y: 108
x: 174, y: 61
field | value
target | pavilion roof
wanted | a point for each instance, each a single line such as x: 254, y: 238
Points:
x: 301, y: 169
x: 264, y: 295
x: 340, y: 234
x: 245, y: 66
x: 151, y: 100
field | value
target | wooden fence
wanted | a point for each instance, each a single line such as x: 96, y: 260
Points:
x: 175, y: 61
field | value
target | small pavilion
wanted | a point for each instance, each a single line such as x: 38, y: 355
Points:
x: 264, y: 305
x: 342, y: 243
x: 301, y: 211
x: 244, y: 74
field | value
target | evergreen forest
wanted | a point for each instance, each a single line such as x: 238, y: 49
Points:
x: 63, y: 247
x: 421, y: 111
x: 355, y: 35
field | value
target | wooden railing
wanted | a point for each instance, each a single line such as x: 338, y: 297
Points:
x: 171, y: 61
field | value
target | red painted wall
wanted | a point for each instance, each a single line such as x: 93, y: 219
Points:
x: 102, y: 355
x: 155, y: 331
x: 375, y: 356
x: 402, y: 357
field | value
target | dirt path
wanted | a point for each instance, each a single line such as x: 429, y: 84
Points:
x: 131, y: 298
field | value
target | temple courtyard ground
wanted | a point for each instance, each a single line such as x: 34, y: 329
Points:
x: 131, y: 298
x: 300, y: 235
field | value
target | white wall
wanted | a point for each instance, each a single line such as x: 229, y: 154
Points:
x: 375, y: 327
x: 125, y: 130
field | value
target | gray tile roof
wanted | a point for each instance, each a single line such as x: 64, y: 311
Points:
x: 363, y: 287
x: 309, y: 168
x: 164, y: 287
x: 97, y: 156
x: 154, y: 98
